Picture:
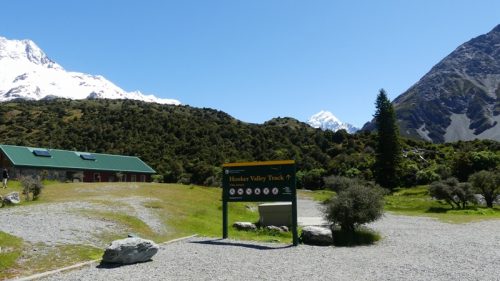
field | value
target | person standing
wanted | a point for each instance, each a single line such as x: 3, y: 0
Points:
x: 5, y: 176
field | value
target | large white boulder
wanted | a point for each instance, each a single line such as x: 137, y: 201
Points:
x: 315, y: 235
x: 12, y: 198
x: 130, y: 250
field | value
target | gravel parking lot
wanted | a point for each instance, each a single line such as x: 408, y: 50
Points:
x: 413, y: 248
x: 70, y: 222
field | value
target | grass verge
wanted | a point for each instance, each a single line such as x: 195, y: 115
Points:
x: 362, y: 236
x: 316, y: 195
x: 416, y: 201
x: 10, y: 251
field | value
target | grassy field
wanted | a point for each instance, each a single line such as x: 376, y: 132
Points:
x: 417, y: 202
x: 184, y: 210
x: 317, y: 195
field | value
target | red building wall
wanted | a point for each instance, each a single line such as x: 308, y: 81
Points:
x: 98, y: 176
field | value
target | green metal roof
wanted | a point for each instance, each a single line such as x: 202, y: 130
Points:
x: 63, y: 159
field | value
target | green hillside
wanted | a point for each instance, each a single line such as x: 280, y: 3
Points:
x: 189, y: 145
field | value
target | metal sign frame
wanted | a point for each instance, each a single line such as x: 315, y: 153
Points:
x: 269, y: 181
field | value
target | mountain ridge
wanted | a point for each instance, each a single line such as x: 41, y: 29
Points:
x: 459, y: 98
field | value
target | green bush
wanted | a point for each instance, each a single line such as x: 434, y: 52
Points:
x: 427, y: 176
x: 467, y: 163
x: 31, y: 185
x: 488, y: 184
x: 313, y: 179
x: 453, y: 192
x: 157, y: 178
x: 339, y: 183
x: 354, y: 206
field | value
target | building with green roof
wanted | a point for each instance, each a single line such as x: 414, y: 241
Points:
x: 72, y: 165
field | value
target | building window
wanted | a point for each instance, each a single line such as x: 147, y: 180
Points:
x: 124, y: 177
x: 143, y: 178
x: 132, y: 178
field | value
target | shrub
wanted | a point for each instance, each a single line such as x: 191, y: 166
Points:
x: 313, y: 179
x: 31, y: 185
x: 212, y: 181
x: 488, y: 184
x: 339, y: 183
x: 354, y: 206
x: 467, y: 163
x: 452, y: 192
x: 409, y: 174
x: 157, y: 178
x: 426, y: 177
x: 352, y: 173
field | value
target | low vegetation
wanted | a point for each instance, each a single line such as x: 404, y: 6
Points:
x: 456, y: 194
x: 31, y: 185
x: 10, y: 251
x: 487, y: 183
x: 362, y: 236
x: 417, y: 201
x: 353, y: 207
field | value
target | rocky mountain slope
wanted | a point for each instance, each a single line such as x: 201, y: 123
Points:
x: 458, y: 99
x: 27, y: 73
x: 325, y: 120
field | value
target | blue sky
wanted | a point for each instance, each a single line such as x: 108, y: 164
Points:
x: 254, y: 59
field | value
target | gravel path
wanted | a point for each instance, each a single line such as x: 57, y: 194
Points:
x: 413, y: 248
x: 64, y: 223
x: 308, y: 208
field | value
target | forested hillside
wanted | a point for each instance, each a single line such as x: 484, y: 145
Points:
x: 186, y: 144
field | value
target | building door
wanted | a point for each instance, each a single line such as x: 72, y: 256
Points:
x: 97, y: 177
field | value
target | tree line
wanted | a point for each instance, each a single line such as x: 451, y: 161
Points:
x: 189, y: 145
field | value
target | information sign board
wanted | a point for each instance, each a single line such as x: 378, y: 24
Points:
x: 259, y: 182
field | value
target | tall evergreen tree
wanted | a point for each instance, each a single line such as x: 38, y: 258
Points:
x: 388, y: 151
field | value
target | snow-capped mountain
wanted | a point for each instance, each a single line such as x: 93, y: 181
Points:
x: 27, y: 73
x: 327, y: 121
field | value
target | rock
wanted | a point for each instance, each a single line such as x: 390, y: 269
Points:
x: 480, y: 199
x: 244, y: 226
x: 130, y: 250
x: 315, y: 235
x: 251, y: 208
x: 277, y: 228
x: 12, y: 198
x: 274, y: 228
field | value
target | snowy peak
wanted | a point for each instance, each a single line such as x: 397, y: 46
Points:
x: 325, y: 120
x: 26, y: 51
x: 26, y: 72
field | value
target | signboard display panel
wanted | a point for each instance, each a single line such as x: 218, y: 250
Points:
x: 270, y: 181
x: 260, y: 182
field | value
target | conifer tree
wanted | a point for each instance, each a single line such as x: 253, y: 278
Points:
x: 388, y: 151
